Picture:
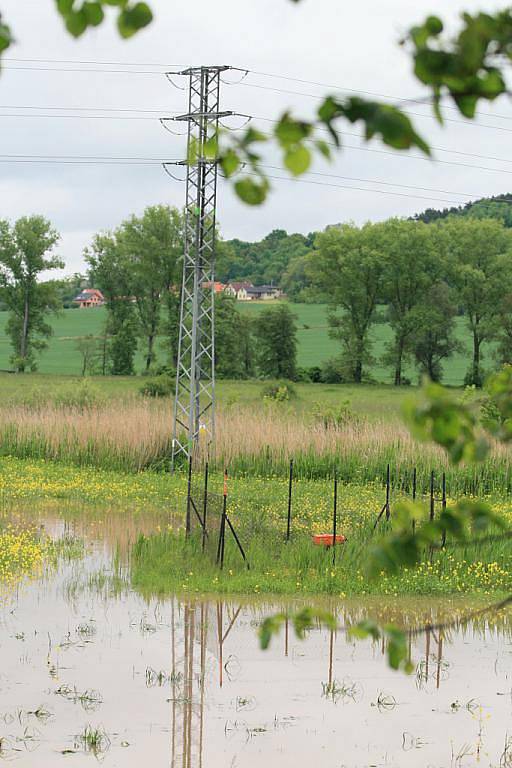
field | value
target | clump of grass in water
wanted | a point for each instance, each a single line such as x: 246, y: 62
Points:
x: 156, y: 678
x: 89, y: 699
x: 93, y: 740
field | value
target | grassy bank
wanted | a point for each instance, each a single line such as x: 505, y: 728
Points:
x: 165, y: 563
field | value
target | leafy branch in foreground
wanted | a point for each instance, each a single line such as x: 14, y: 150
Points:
x: 80, y: 15
x: 440, y: 417
x: 465, y: 69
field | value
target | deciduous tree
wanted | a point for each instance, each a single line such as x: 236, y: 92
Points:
x: 152, y: 245
x: 432, y: 338
x: 26, y: 250
x: 276, y: 337
x: 110, y: 270
x: 413, y: 262
x: 481, y: 251
x: 348, y: 264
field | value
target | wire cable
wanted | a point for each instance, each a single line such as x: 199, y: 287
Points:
x: 407, y: 112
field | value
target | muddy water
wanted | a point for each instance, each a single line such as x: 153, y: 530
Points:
x: 182, y: 683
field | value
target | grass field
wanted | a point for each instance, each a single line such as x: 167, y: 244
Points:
x: 315, y: 346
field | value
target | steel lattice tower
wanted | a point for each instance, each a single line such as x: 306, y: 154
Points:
x: 194, y: 405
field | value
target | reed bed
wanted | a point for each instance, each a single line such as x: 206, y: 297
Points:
x: 136, y: 434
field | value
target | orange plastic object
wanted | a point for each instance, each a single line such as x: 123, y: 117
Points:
x: 326, y: 539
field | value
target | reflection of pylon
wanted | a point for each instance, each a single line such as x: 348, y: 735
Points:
x: 188, y: 687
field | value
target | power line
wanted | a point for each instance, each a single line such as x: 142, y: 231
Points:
x: 162, y: 113
x: 76, y: 69
x: 89, y: 109
x: 368, y: 93
x: 364, y: 189
x: 412, y: 114
x: 160, y: 161
x: 377, y: 181
x: 80, y: 117
x: 93, y: 62
x: 397, y: 154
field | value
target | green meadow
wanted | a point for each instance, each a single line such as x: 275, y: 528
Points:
x: 314, y: 344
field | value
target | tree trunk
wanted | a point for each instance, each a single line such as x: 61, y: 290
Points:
x: 358, y: 371
x: 149, y: 356
x: 24, y: 336
x: 476, y: 360
x: 398, y: 361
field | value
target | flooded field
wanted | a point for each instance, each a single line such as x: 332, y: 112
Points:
x: 92, y: 671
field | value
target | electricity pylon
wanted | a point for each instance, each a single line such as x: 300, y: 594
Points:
x: 194, y: 404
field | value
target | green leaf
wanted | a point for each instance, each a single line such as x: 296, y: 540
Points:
x: 65, y: 6
x: 434, y: 25
x: 5, y: 36
x: 323, y: 148
x: 251, y: 192
x: 134, y: 18
x: 211, y: 147
x: 364, y: 629
x: 76, y: 22
x: 94, y: 13
x: 269, y: 627
x: 466, y: 103
x: 289, y: 131
x: 298, y: 159
x: 230, y: 163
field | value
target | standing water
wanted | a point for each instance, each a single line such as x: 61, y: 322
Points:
x: 91, y: 670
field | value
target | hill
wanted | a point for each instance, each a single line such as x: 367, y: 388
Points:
x: 498, y: 207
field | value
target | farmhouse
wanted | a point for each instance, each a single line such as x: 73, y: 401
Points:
x: 263, y: 293
x: 89, y: 297
x: 238, y: 290
x: 217, y: 287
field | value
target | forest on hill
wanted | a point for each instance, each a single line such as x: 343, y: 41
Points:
x: 497, y: 207
x: 280, y: 258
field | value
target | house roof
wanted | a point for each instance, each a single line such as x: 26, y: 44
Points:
x: 238, y: 286
x: 86, y: 294
x: 262, y: 289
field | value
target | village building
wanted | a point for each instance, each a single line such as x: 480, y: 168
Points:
x: 237, y: 290
x: 217, y: 287
x: 89, y: 297
x: 263, y: 293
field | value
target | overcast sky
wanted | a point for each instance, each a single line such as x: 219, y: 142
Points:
x: 346, y: 45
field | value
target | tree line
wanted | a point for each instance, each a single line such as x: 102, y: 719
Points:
x: 417, y: 277
x: 137, y: 267
x: 425, y: 275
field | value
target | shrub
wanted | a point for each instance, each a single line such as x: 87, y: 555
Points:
x: 83, y: 396
x: 333, y: 371
x: 280, y: 391
x: 158, y: 386
x: 334, y: 416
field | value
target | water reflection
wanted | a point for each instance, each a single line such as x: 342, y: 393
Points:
x: 92, y: 670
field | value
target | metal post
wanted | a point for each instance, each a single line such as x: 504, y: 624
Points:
x: 334, y: 518
x: 189, y: 492
x: 414, y: 481
x: 388, y: 484
x: 432, y: 500
x: 222, y: 536
x: 290, y: 485
x: 205, y: 505
x: 195, y: 371
x: 443, y: 506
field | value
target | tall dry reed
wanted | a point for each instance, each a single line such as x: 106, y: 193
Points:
x: 136, y: 434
